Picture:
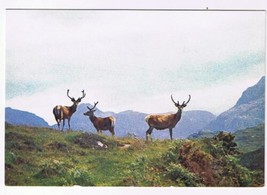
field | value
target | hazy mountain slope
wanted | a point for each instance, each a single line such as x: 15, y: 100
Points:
x: 192, y: 122
x: 253, y: 93
x: 248, y: 111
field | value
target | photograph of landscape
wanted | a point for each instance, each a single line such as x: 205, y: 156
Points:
x: 141, y: 97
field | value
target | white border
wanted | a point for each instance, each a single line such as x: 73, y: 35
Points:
x: 113, y: 4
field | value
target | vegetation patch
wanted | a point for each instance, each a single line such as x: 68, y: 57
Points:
x: 54, y: 172
x: 197, y: 161
x: 58, y: 146
x: 45, y: 157
x: 182, y: 176
x: 89, y: 140
x: 20, y: 142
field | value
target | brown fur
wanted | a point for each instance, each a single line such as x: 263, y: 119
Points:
x: 162, y: 121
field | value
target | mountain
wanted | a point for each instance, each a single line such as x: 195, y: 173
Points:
x: 247, y: 112
x: 133, y: 123
x: 192, y: 122
x: 18, y: 117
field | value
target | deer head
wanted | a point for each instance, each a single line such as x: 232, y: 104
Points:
x: 91, y: 110
x: 76, y: 102
x: 180, y: 107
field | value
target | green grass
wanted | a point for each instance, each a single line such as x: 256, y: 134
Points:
x: 46, y: 157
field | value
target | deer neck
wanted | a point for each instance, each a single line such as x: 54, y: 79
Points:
x: 92, y: 118
x: 178, y: 114
x: 73, y: 108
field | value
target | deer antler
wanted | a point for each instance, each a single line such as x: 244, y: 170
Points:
x: 93, y: 106
x: 174, y: 101
x: 187, y: 100
x: 183, y: 104
x: 69, y: 95
x: 84, y: 94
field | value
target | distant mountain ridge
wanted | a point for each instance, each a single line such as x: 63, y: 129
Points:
x: 249, y: 111
x: 18, y: 117
x: 128, y: 123
x: 131, y: 122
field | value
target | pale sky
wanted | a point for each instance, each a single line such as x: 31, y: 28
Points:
x: 132, y: 60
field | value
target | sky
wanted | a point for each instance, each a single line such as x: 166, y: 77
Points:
x: 132, y: 60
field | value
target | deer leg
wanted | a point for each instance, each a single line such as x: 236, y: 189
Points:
x: 58, y: 124
x: 112, y: 132
x: 148, y: 133
x: 63, y: 125
x: 170, y: 129
x: 69, y: 123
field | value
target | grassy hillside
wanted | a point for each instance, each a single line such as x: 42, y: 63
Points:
x: 250, y: 139
x: 46, y: 157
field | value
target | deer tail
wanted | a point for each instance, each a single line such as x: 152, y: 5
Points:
x: 147, y: 118
x: 57, y: 111
x: 113, y: 122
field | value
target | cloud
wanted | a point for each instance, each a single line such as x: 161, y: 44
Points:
x: 131, y: 59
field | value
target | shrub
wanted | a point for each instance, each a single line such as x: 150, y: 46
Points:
x: 197, y: 161
x: 176, y: 172
x: 227, y: 140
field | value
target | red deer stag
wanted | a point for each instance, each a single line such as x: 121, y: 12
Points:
x: 65, y: 112
x: 165, y: 121
x: 99, y: 123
